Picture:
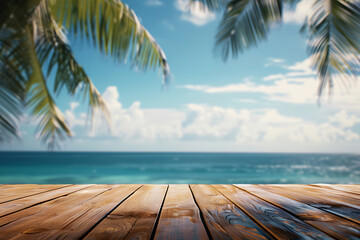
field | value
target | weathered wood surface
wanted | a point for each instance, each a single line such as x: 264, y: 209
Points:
x: 275, y: 220
x: 223, y: 218
x: 12, y: 192
x: 179, y: 212
x: 180, y: 217
x: 26, y: 202
x: 329, y: 223
x: 354, y: 189
x: 330, y: 202
x: 66, y: 217
x: 134, y: 218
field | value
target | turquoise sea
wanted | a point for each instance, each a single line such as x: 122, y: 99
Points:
x: 215, y: 168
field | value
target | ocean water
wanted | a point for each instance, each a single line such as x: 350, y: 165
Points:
x: 207, y: 168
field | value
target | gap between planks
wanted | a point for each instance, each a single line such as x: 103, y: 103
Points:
x: 200, y: 198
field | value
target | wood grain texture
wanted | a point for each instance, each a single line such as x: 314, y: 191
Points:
x: 179, y: 212
x: 325, y: 202
x: 26, y: 202
x: 353, y: 189
x: 345, y: 198
x: 68, y: 217
x: 11, y: 186
x: 13, y: 192
x: 329, y: 223
x: 134, y: 218
x: 223, y: 218
x: 278, y: 222
x: 180, y: 217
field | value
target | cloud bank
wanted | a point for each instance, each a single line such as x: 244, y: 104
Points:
x: 297, y: 86
x: 204, y: 123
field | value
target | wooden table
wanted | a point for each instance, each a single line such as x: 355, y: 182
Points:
x: 179, y: 211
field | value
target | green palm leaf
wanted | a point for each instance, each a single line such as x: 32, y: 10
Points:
x: 113, y: 28
x: 51, y: 50
x: 32, y: 41
x: 245, y: 23
x: 12, y: 79
x: 334, y: 33
x: 51, y: 126
x: 54, y: 52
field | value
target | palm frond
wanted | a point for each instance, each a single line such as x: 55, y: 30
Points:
x: 14, y: 64
x: 54, y: 52
x: 245, y: 23
x: 114, y: 29
x: 334, y: 33
x: 52, y: 126
x: 16, y: 12
x: 13, y: 58
x: 32, y: 41
x: 11, y: 95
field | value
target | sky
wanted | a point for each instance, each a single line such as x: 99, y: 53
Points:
x: 262, y: 101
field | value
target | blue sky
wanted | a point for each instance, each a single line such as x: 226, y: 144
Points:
x: 263, y: 101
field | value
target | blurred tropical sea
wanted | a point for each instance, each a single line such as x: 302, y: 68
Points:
x: 151, y: 168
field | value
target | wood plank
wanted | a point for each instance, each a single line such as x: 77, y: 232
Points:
x: 278, y: 222
x: 26, y: 202
x: 325, y: 203
x: 69, y: 217
x: 10, y: 186
x: 129, y: 212
x: 24, y: 187
x: 134, y: 218
x: 223, y: 218
x: 347, y: 199
x: 329, y: 223
x: 353, y: 189
x: 41, y: 210
x: 180, y: 217
x: 19, y: 191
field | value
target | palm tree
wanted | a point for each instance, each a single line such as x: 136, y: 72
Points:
x: 332, y: 28
x: 33, y: 45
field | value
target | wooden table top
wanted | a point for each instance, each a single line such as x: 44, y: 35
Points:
x: 135, y: 211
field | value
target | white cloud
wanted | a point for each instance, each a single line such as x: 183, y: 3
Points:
x: 274, y: 77
x: 133, y: 122
x: 298, y: 86
x: 302, y: 68
x: 344, y: 119
x: 274, y: 61
x: 154, y: 2
x: 206, y: 124
x: 195, y: 13
x: 299, y: 14
x: 74, y: 105
x: 298, y: 91
x: 258, y: 126
x: 299, y: 69
x: 268, y: 125
x: 273, y: 117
